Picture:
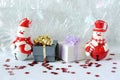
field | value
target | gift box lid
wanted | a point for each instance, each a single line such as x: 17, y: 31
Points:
x: 50, y: 50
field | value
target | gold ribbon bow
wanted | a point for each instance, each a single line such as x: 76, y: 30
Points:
x: 44, y: 41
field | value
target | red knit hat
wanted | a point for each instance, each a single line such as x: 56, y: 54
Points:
x: 25, y: 23
x: 100, y: 26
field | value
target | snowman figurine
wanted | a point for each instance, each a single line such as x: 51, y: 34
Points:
x: 22, y: 46
x: 97, y: 47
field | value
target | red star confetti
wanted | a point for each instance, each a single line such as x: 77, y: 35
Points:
x: 49, y: 68
x: 27, y: 72
x: 6, y: 65
x: 7, y: 60
x: 57, y: 68
x: 45, y: 64
x: 114, y: 63
x: 69, y: 65
x: 72, y: 72
x: 44, y: 71
x: 90, y: 64
x: 7, y: 68
x: 98, y: 65
x: 11, y: 73
x: 114, y: 67
x: 13, y: 68
x: 63, y: 62
x: 108, y: 59
x: 113, y: 71
x: 20, y: 67
x: 84, y: 67
x: 55, y: 73
x: 112, y: 54
x: 68, y: 72
x: 88, y: 72
x: 97, y: 75
x: 77, y: 62
x: 64, y: 70
x: 33, y: 63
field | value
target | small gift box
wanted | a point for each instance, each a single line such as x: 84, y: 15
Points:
x: 71, y: 49
x: 48, y: 53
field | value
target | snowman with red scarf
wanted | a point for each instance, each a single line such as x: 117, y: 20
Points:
x: 97, y: 47
x: 22, y: 46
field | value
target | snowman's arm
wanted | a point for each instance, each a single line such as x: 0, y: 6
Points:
x: 31, y: 44
x: 16, y: 44
x: 12, y: 46
x: 106, y: 47
x: 94, y: 43
x: 27, y: 47
x: 14, y: 41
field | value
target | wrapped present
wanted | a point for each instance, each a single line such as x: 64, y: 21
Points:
x: 45, y: 49
x: 71, y: 49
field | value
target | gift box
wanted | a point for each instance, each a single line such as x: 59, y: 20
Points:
x: 51, y: 52
x: 71, y: 52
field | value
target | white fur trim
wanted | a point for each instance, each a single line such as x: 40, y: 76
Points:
x: 27, y: 47
x: 106, y: 48
x: 87, y: 53
x: 21, y: 56
x: 20, y: 43
x: 12, y: 46
x: 94, y: 43
x: 21, y: 27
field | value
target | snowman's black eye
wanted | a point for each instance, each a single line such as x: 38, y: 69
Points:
x: 22, y: 31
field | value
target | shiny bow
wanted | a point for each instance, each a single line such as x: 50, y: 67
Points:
x: 72, y: 40
x: 43, y: 40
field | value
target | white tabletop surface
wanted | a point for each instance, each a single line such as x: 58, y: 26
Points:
x: 104, y: 71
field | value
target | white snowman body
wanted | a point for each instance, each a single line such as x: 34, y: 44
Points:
x: 97, y: 38
x: 22, y: 46
x: 97, y: 47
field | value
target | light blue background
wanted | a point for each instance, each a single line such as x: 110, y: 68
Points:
x: 59, y: 18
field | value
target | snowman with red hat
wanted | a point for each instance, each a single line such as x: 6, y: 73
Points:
x: 97, y: 47
x: 22, y: 46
